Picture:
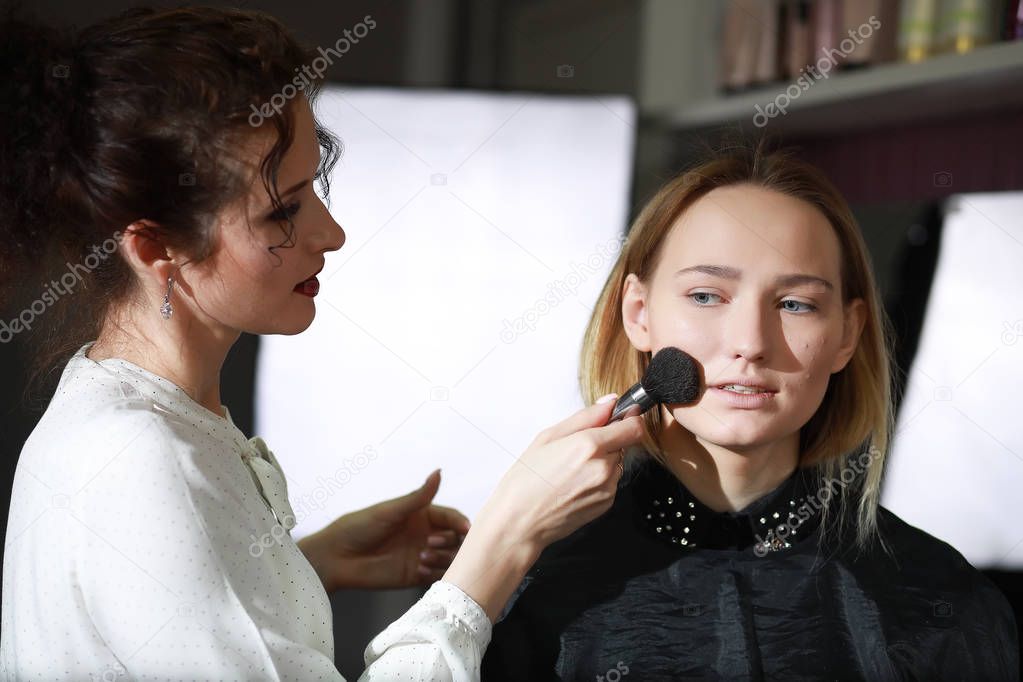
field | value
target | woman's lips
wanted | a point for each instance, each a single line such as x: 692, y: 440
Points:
x: 309, y: 288
x: 745, y: 401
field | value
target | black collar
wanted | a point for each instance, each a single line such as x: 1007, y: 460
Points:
x: 667, y: 511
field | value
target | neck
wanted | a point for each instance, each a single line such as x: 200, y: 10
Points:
x: 183, y: 351
x: 721, y: 478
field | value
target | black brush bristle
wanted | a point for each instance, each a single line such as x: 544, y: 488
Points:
x: 672, y: 377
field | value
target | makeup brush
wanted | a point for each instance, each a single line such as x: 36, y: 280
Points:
x: 671, y: 377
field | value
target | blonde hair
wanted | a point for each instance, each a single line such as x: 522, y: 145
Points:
x: 855, y: 419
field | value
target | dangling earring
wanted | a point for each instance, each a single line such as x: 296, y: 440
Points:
x: 166, y: 309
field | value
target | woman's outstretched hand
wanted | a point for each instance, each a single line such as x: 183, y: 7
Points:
x: 403, y: 542
x: 566, y: 478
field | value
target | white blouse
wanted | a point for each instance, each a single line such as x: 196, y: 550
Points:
x: 149, y: 538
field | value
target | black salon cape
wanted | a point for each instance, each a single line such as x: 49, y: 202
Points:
x: 613, y: 602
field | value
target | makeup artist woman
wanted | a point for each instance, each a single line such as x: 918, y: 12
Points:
x: 130, y: 150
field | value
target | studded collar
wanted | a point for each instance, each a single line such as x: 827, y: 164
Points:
x: 668, y: 512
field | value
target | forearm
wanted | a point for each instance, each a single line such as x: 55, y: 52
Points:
x: 491, y: 562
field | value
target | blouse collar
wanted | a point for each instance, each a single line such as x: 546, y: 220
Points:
x: 139, y: 382
x: 668, y: 512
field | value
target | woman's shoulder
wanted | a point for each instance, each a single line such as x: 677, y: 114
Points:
x: 914, y: 562
x: 107, y: 451
x: 88, y: 414
x: 916, y: 551
x: 101, y: 427
x: 96, y: 404
x: 936, y: 604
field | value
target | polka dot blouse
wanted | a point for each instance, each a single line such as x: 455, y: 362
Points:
x: 149, y: 539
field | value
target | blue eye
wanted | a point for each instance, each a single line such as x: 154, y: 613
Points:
x: 692, y: 297
x: 808, y: 308
x: 287, y: 212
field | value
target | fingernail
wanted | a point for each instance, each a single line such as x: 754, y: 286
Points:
x: 424, y: 555
x: 607, y: 398
x: 423, y: 570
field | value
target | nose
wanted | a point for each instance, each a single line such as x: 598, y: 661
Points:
x: 748, y: 331
x: 329, y: 235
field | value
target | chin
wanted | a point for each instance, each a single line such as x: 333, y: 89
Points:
x: 741, y: 447
x: 290, y: 324
x: 726, y: 432
x: 298, y: 329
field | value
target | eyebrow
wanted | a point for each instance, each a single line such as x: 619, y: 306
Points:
x: 726, y: 272
x: 288, y: 192
x: 294, y: 188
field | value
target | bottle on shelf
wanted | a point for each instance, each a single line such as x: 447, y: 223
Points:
x: 768, y: 62
x: 797, y: 48
x: 826, y: 20
x: 964, y: 25
x: 740, y: 43
x: 917, y: 22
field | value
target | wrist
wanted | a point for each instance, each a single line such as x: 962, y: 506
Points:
x: 491, y: 563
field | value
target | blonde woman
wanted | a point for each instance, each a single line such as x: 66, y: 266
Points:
x: 746, y: 541
x: 148, y: 538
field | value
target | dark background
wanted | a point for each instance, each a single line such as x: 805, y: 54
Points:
x: 894, y: 173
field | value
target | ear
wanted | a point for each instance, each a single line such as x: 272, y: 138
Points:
x: 634, y: 313
x: 855, y: 315
x: 144, y: 252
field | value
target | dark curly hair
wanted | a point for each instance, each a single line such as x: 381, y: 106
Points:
x: 132, y: 118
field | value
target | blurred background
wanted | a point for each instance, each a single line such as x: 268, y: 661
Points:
x: 496, y: 151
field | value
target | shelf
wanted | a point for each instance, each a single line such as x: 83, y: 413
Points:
x: 990, y: 77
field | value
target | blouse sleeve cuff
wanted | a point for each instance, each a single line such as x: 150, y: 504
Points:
x: 463, y: 609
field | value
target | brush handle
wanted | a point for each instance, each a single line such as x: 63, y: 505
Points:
x: 634, y: 401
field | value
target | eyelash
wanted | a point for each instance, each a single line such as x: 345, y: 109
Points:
x: 810, y: 308
x: 288, y: 211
